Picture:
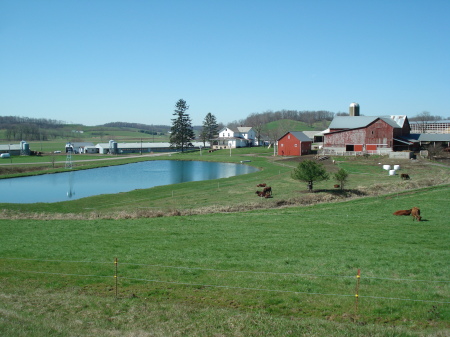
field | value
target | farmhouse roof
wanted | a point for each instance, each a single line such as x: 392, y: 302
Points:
x: 244, y: 128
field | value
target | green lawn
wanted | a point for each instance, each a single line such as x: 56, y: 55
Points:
x: 286, y: 264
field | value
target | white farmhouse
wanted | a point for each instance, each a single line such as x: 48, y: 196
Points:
x: 241, y: 136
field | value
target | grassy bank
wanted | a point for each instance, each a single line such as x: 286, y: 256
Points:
x: 293, y: 266
x: 236, y: 193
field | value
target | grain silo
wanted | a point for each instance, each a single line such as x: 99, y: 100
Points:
x: 353, y: 110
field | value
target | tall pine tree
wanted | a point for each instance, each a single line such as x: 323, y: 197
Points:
x: 210, y: 128
x: 182, y: 132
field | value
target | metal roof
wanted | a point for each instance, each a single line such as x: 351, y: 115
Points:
x: 145, y: 145
x: 447, y: 121
x: 14, y: 147
x: 355, y: 122
x: 427, y: 137
x: 299, y: 135
x: 244, y: 128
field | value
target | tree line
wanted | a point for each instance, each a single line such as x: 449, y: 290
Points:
x: 159, y: 129
x: 19, y: 128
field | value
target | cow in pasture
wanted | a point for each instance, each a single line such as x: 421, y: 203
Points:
x: 337, y: 186
x: 263, y: 194
x: 267, y: 190
x: 260, y: 193
x: 261, y: 185
x: 415, y: 213
x: 403, y: 212
x: 405, y: 176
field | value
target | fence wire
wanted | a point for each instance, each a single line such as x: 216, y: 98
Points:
x: 225, y: 286
x: 232, y: 271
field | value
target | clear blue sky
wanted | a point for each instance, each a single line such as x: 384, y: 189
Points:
x: 95, y: 61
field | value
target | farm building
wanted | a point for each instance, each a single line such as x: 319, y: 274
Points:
x: 294, y: 143
x: 123, y: 148
x: 21, y: 149
x: 431, y: 127
x: 242, y: 136
x: 364, y: 134
x: 78, y: 147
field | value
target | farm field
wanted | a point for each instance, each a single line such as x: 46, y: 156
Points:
x: 210, y: 258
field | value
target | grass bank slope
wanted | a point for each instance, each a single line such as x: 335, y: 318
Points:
x: 270, y: 272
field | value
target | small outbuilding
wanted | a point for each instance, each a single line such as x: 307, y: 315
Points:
x: 294, y: 143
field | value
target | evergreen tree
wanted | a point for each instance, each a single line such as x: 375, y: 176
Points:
x: 341, y: 176
x: 182, y: 132
x: 310, y: 171
x: 210, y: 128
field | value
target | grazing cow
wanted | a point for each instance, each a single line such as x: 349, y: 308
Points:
x: 337, y: 186
x: 405, y: 176
x: 403, y: 212
x: 267, y: 190
x: 260, y: 193
x: 415, y: 212
x: 261, y: 185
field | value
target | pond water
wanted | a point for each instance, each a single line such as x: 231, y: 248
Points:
x: 113, y: 179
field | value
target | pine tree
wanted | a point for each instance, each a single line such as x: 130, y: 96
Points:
x: 310, y: 171
x: 210, y: 128
x: 341, y: 176
x: 182, y: 132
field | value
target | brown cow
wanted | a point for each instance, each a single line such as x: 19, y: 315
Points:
x: 261, y: 185
x: 267, y: 190
x: 405, y: 176
x: 337, y: 186
x: 415, y: 212
x: 260, y: 193
x: 403, y: 212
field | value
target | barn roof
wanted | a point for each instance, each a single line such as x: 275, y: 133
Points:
x: 430, y: 137
x: 355, y: 122
x: 299, y: 135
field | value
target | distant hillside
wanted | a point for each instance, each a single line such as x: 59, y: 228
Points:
x: 139, y: 126
x: 290, y: 125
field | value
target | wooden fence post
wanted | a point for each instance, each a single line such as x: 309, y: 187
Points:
x: 115, y: 276
x: 358, y: 278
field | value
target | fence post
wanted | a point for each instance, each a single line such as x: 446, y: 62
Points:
x: 115, y: 275
x: 358, y: 278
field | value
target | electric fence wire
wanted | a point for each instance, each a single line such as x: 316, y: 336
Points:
x: 233, y: 287
x: 232, y: 271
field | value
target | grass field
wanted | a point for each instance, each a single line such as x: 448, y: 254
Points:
x: 262, y: 271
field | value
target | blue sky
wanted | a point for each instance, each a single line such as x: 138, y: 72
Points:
x: 93, y: 62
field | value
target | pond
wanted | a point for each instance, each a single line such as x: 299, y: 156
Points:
x: 113, y: 179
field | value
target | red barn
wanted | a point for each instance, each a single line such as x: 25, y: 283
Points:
x: 367, y: 134
x: 294, y: 143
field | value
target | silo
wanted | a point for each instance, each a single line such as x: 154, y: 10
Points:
x: 24, y: 148
x: 353, y: 109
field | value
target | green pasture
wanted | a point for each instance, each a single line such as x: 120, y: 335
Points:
x: 294, y: 266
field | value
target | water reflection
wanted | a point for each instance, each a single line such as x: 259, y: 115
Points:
x: 113, y: 179
x: 71, y: 191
